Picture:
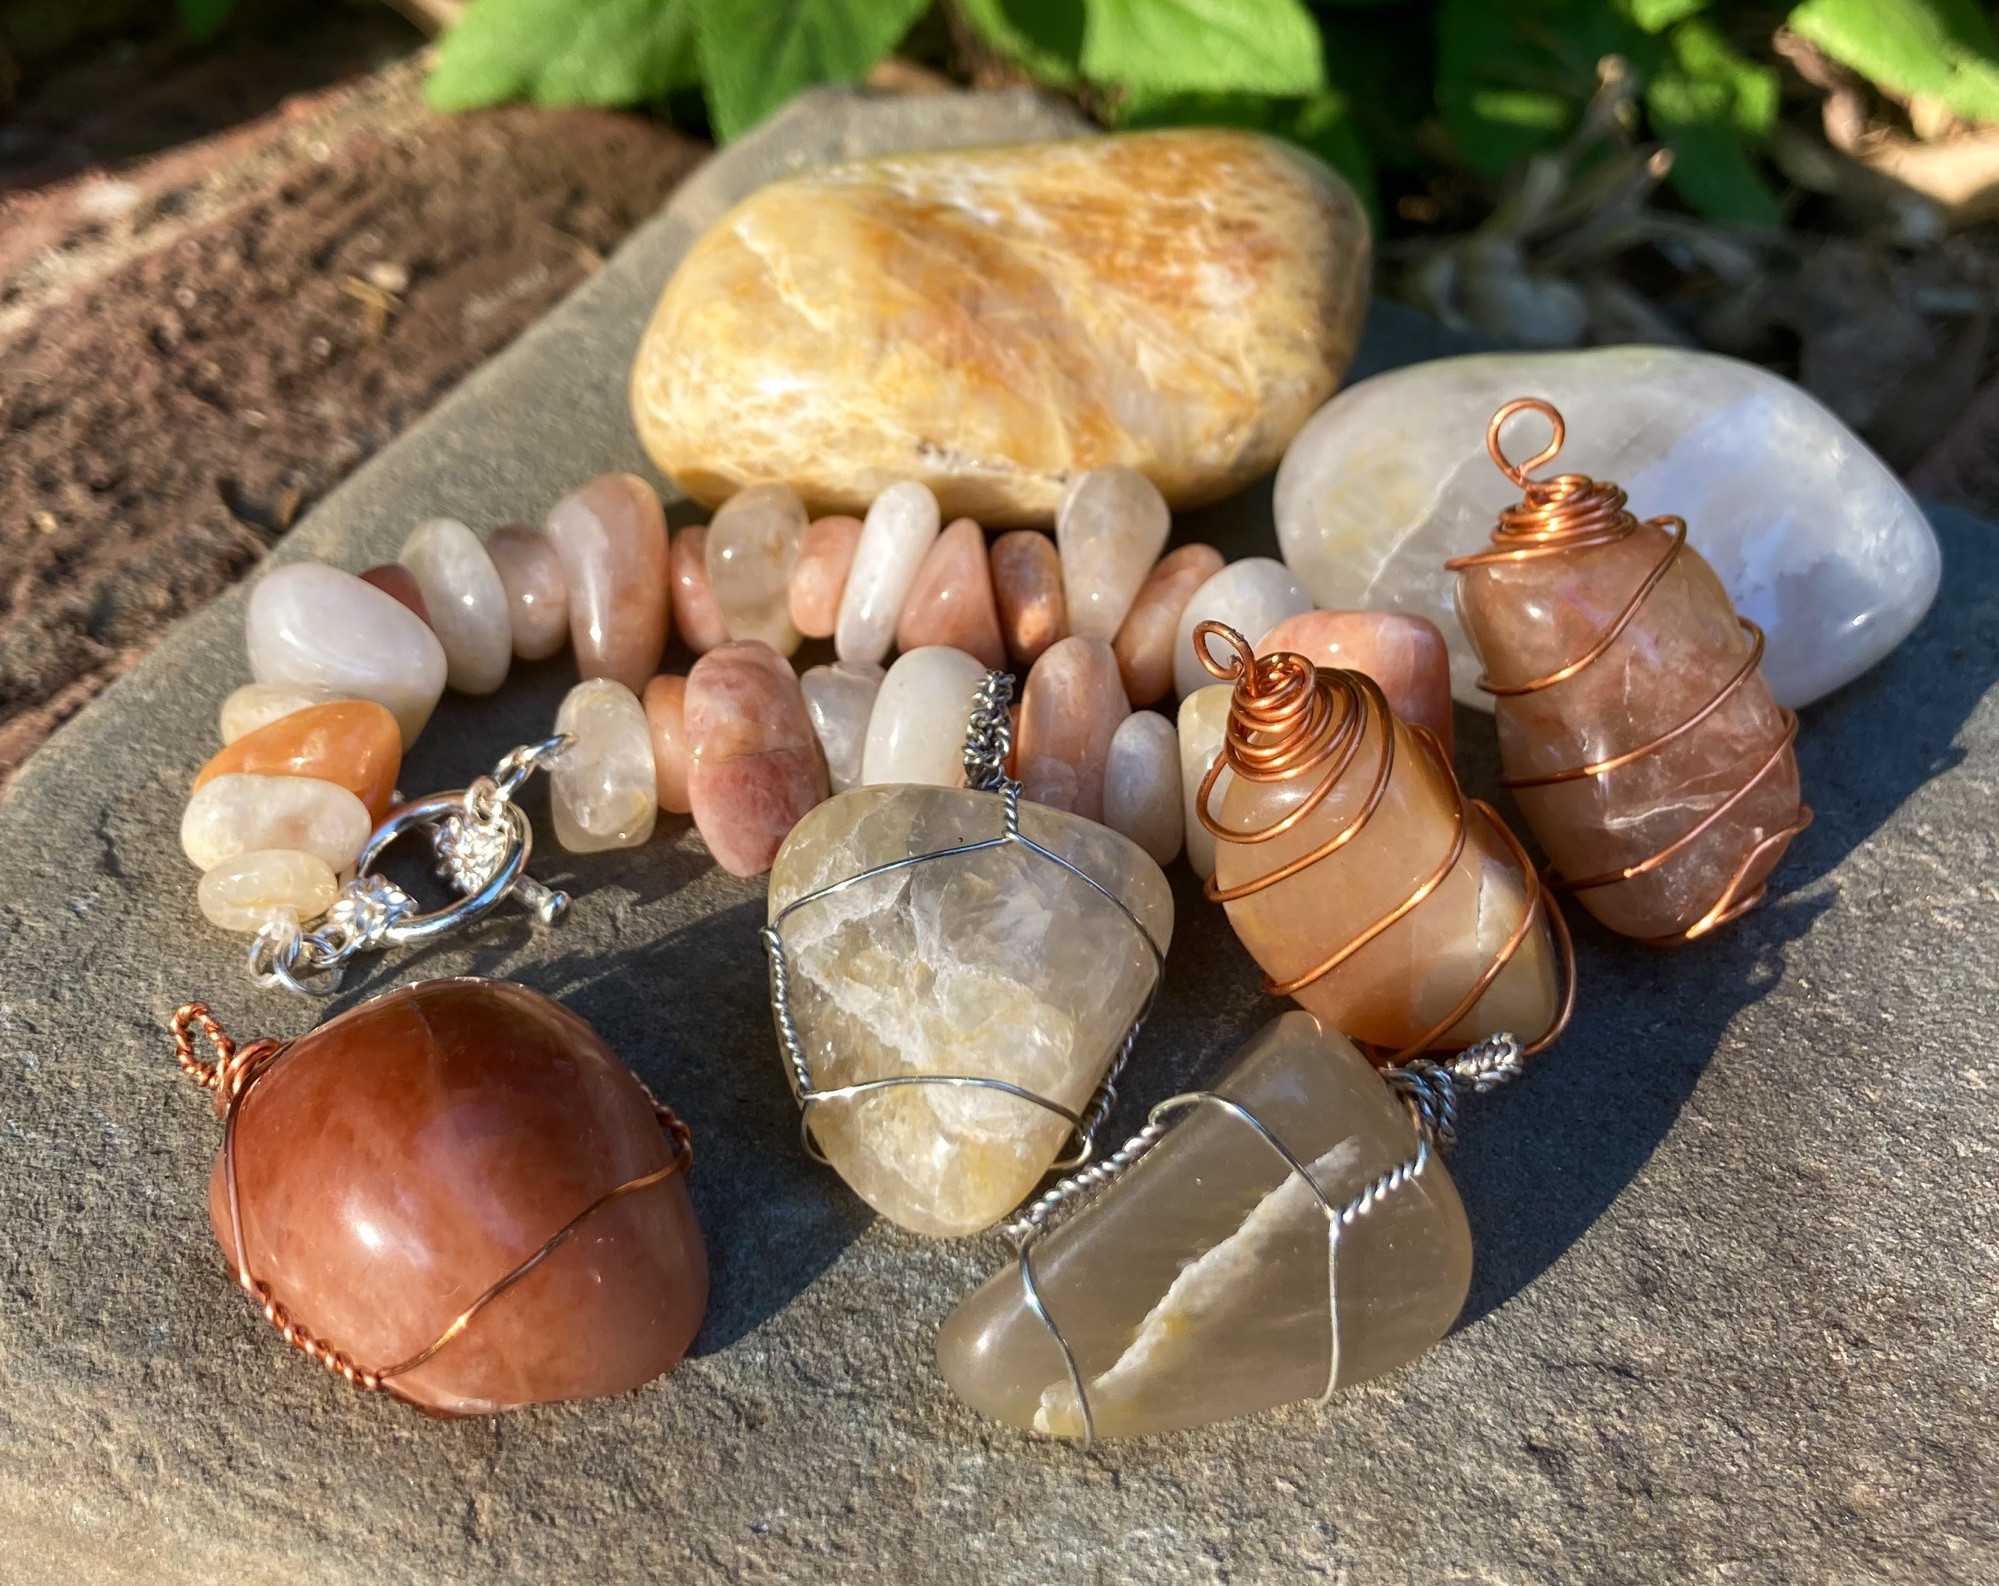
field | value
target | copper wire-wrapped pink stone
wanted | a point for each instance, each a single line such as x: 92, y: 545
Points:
x: 394, y: 1168
x: 757, y: 769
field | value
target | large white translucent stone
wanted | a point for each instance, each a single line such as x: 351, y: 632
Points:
x: 999, y: 963
x: 316, y: 625
x: 1251, y: 596
x: 1812, y: 535
x: 467, y: 602
x: 1206, y: 1282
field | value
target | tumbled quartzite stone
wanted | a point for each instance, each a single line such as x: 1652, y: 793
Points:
x: 901, y: 527
x: 399, y: 583
x: 1110, y: 529
x: 1142, y: 784
x: 994, y: 322
x: 611, y: 537
x: 251, y: 890
x: 1069, y: 713
x: 757, y: 767
x: 466, y: 602
x: 1252, y: 596
x: 354, y: 743
x: 257, y: 705
x: 241, y: 812
x: 752, y: 549
x: 916, y: 729
x: 840, y: 699
x: 1027, y: 587
x: 665, y: 702
x: 603, y: 789
x: 1144, y: 645
x: 537, y: 593
x: 1206, y: 1283
x: 951, y: 600
x: 696, y: 617
x: 1810, y: 533
x: 1203, y: 719
x: 820, y: 578
x: 315, y: 626
x: 395, y: 1163
x: 999, y: 964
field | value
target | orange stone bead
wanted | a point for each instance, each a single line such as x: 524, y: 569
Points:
x: 354, y: 744
x: 820, y: 577
x: 665, y: 702
x: 1027, y: 585
x: 951, y: 602
x: 1144, y: 645
x: 696, y: 617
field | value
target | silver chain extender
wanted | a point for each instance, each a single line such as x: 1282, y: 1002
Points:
x: 1428, y: 1088
x: 481, y: 840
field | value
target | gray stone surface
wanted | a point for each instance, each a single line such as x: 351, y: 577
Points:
x: 1734, y: 1317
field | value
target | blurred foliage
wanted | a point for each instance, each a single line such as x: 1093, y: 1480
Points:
x: 1373, y: 86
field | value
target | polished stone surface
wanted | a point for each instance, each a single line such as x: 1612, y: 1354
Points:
x: 257, y: 705
x: 354, y: 743
x: 950, y: 601
x: 1408, y: 656
x: 537, y: 593
x: 1027, y: 585
x: 1000, y: 963
x: 896, y: 536
x: 314, y: 626
x: 992, y: 323
x: 840, y: 699
x: 1251, y: 595
x: 1069, y: 711
x: 610, y: 534
x: 394, y: 1164
x: 916, y: 730
x: 1726, y: 1317
x: 665, y: 704
x: 752, y: 548
x: 1142, y: 792
x: 1144, y: 643
x: 757, y: 768
x: 242, y: 812
x: 249, y: 891
x: 1200, y: 724
x: 1812, y: 535
x: 1207, y: 1283
x: 464, y: 601
x: 603, y: 789
x: 1110, y: 528
x: 697, y: 620
x: 820, y: 577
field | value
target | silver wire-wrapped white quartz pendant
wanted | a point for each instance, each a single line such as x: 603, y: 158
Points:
x: 1291, y: 1233
x: 957, y: 976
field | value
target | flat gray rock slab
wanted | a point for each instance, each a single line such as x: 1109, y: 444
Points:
x: 1737, y: 1304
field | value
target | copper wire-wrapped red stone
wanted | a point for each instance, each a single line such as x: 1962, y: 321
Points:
x: 458, y: 1190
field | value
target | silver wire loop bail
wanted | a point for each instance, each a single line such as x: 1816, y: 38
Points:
x: 481, y: 840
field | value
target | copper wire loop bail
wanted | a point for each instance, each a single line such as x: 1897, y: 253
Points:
x: 232, y: 1072
x: 1571, y: 513
x: 1290, y: 719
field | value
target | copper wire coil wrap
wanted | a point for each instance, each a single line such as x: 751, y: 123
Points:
x: 234, y: 1070
x: 1289, y: 719
x: 1570, y: 513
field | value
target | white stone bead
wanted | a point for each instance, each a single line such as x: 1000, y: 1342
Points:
x: 1810, y: 533
x: 1204, y: 717
x: 307, y: 623
x: 898, y: 532
x: 467, y: 602
x: 1143, y: 797
x: 257, y: 705
x: 917, y: 730
x: 240, y: 813
x: 752, y: 551
x: 840, y: 698
x: 1252, y: 596
x: 249, y: 891
x: 1110, y: 529
x: 603, y: 791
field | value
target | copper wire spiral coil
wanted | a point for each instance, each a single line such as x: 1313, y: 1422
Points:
x: 1288, y: 719
x: 1573, y: 512
x: 231, y: 1074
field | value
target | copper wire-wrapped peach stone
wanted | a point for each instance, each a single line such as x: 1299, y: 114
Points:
x: 400, y: 1163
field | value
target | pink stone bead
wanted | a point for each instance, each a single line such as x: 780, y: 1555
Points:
x: 1144, y: 644
x: 1405, y: 654
x: 665, y: 702
x: 1027, y: 585
x: 951, y: 601
x: 820, y: 578
x: 396, y: 580
x: 756, y: 770
x: 611, y: 537
x: 695, y: 613
x: 537, y: 593
x: 1069, y: 713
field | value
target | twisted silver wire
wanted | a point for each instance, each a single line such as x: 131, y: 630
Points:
x: 1427, y: 1087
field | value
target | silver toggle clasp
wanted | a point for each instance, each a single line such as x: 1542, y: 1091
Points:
x: 481, y: 839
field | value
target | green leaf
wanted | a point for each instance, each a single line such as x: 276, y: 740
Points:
x: 1204, y: 46
x: 1709, y: 103
x: 203, y: 19
x: 562, y: 52
x: 1655, y: 16
x: 1318, y: 123
x: 1043, y: 37
x: 755, y: 54
x: 1944, y: 49
x: 1514, y: 75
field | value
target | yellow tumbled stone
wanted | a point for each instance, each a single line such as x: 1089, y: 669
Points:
x: 993, y: 322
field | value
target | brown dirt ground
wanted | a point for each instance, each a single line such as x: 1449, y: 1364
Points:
x: 194, y: 350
